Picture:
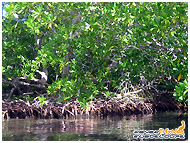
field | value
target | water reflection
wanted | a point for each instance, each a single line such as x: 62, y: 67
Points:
x: 110, y: 128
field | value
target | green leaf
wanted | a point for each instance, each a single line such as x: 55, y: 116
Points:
x: 130, y: 32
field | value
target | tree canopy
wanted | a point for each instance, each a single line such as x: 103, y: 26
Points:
x: 93, y: 49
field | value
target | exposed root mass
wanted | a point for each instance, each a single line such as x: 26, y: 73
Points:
x: 20, y: 109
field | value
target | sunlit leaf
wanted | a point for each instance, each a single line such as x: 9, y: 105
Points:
x: 49, y: 25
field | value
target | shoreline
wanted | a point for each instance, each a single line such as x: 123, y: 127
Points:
x: 103, y: 108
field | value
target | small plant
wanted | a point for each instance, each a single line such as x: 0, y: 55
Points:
x: 42, y: 100
x: 181, y: 93
x: 107, y: 94
x: 83, y: 104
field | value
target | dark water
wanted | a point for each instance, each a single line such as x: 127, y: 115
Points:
x: 98, y: 129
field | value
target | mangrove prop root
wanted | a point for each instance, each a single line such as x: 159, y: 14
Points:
x: 21, y: 109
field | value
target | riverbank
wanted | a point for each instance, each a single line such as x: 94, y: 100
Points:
x: 21, y: 109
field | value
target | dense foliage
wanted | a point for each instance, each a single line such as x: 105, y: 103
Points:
x: 90, y: 50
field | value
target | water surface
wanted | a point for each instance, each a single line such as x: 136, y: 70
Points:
x: 92, y: 129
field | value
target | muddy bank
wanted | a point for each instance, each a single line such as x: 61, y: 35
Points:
x: 21, y: 109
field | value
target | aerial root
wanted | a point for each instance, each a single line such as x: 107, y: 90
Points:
x: 20, y: 109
